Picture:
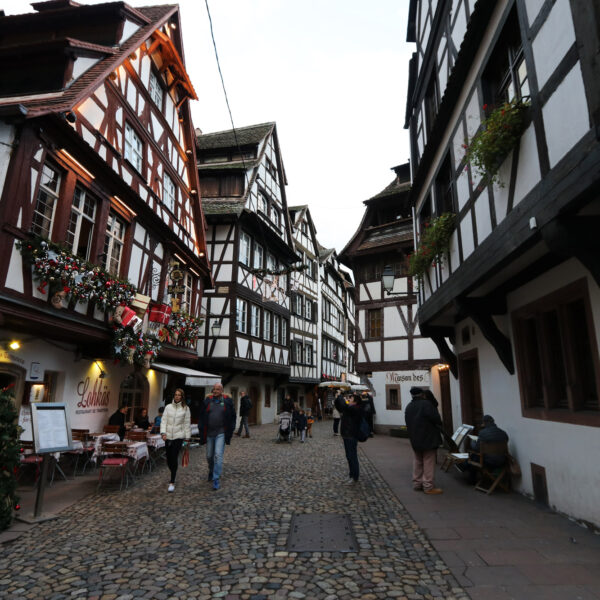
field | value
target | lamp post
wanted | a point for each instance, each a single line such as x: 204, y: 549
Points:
x: 387, y: 279
x: 216, y: 327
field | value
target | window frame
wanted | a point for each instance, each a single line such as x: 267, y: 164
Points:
x: 172, y: 198
x: 80, y: 217
x: 378, y: 333
x: 129, y: 152
x: 245, y: 241
x: 110, y: 239
x: 255, y: 320
x: 155, y: 83
x: 241, y: 316
x: 49, y: 193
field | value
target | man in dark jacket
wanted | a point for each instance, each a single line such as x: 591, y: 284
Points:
x: 245, y: 407
x: 424, y: 424
x: 490, y: 432
x: 118, y: 418
x: 217, y: 422
x: 352, y: 411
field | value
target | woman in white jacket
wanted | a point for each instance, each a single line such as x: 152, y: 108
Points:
x: 175, y: 428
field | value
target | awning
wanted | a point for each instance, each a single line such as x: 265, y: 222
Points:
x: 193, y: 378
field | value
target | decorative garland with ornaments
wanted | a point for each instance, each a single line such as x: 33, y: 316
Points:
x: 184, y: 328
x: 64, y: 276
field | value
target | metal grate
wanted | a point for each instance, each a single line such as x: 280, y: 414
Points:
x: 319, y: 532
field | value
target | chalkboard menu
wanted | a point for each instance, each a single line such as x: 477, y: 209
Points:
x: 51, y: 429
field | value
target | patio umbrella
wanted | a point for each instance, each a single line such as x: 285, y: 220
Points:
x: 359, y: 387
x: 343, y: 385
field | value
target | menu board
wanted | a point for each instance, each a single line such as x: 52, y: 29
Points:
x: 51, y: 430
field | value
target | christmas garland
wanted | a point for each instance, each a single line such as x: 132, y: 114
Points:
x: 9, y: 458
x: 184, y: 328
x: 131, y: 348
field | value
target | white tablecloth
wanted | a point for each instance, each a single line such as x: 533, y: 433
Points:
x: 195, y: 430
x: 155, y: 440
x: 102, y: 438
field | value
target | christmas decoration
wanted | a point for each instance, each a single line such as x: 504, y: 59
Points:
x: 160, y: 313
x: 140, y: 304
x: 9, y: 458
x: 184, y: 328
x: 129, y: 347
x: 126, y: 317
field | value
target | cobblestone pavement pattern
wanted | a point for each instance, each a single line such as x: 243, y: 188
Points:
x: 198, y: 543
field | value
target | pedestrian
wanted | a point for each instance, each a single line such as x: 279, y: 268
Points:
x: 301, y: 424
x: 295, y: 414
x: 118, y: 418
x: 424, y: 425
x: 369, y: 411
x: 352, y: 412
x: 157, y: 420
x: 176, y: 430
x: 309, y: 422
x: 217, y: 422
x: 245, y: 408
x: 336, y: 421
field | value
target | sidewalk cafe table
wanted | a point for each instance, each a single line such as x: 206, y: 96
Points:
x: 101, y: 438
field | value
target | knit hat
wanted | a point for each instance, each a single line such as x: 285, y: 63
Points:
x: 415, y: 391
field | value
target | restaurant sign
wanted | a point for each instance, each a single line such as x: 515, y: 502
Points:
x: 92, y: 400
x: 417, y: 377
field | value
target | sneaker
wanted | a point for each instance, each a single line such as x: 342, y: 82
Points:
x: 171, y: 487
x: 216, y: 484
x: 351, y: 481
x: 433, y: 491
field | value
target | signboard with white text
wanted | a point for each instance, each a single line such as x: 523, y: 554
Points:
x: 51, y: 428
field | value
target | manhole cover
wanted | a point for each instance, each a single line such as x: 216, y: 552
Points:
x: 319, y: 532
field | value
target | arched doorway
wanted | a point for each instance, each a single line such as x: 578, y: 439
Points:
x: 134, y: 392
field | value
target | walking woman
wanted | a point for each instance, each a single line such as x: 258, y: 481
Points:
x: 352, y: 412
x: 175, y: 428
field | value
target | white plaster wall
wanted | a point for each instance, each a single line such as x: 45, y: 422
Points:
x: 528, y: 174
x: 424, y: 348
x: 558, y: 447
x: 553, y: 40
x: 375, y: 289
x: 374, y: 350
x: 483, y: 217
x: 533, y: 8
x: 566, y: 115
x: 392, y: 323
x: 466, y: 233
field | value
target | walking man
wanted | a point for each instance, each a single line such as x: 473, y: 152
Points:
x: 424, y: 424
x: 245, y: 407
x: 217, y: 422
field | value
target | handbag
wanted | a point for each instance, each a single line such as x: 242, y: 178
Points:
x: 185, y: 457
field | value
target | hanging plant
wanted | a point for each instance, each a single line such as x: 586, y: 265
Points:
x: 433, y: 245
x: 498, y: 135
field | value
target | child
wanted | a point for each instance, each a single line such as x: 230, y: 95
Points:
x: 302, y: 423
x: 295, y: 414
x: 310, y: 420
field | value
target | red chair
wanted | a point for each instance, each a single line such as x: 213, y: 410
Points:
x: 29, y: 459
x: 115, y: 457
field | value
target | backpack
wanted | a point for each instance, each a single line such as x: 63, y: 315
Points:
x: 363, y: 430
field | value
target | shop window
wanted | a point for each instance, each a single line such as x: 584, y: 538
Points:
x: 113, y: 243
x: 557, y: 357
x: 374, y: 323
x: 392, y: 397
x: 81, y: 223
x: 47, y: 199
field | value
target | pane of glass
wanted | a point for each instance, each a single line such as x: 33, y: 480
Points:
x: 554, y: 354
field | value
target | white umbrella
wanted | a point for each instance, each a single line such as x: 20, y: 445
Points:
x: 344, y: 385
x: 359, y: 387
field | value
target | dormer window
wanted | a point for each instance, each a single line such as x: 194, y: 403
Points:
x: 156, y: 90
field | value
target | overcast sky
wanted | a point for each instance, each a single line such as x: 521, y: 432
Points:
x: 331, y: 73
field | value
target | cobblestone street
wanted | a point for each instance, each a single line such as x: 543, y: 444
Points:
x: 198, y: 543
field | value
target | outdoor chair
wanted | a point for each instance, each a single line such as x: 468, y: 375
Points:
x: 494, y: 476
x: 29, y: 460
x: 85, y: 453
x: 111, y: 428
x: 114, y: 457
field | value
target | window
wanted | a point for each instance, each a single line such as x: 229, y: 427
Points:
x: 297, y: 355
x: 241, y: 316
x: 274, y: 215
x: 169, y: 193
x: 244, y: 256
x: 271, y: 263
x: 444, y: 188
x: 297, y: 304
x: 557, y: 358
x: 374, y: 323
x: 431, y: 101
x: 392, y: 397
x: 254, y: 320
x: 156, y: 90
x: 276, y: 321
x: 326, y: 310
x: 258, y: 256
x: 43, y: 215
x: 308, y: 310
x: 267, y: 330
x: 81, y: 224
x: 284, y: 325
x: 308, y: 354
x: 505, y: 77
x: 262, y: 204
x: 113, y: 243
x: 134, y: 150
x: 314, y: 269
x: 188, y: 289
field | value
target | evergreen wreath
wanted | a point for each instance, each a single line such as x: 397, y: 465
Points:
x: 9, y: 458
x: 184, y: 328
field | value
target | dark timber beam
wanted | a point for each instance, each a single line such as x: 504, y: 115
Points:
x: 479, y: 311
x: 576, y: 237
x: 439, y: 335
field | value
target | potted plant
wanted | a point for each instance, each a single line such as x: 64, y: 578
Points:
x: 498, y: 135
x: 433, y: 245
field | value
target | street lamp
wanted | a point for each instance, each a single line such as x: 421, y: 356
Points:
x: 216, y: 327
x: 387, y: 279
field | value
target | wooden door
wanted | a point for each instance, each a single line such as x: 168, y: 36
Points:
x: 446, y: 402
x: 255, y: 397
x: 470, y: 388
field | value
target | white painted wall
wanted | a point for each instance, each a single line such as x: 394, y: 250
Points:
x: 573, y: 483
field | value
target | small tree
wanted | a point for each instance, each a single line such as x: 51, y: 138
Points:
x: 9, y: 457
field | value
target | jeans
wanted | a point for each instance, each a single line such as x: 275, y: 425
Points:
x: 172, y: 450
x: 244, y: 424
x: 215, y: 448
x: 336, y: 425
x: 351, y: 448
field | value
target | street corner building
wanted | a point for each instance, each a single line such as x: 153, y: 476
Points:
x: 503, y: 110
x: 103, y: 256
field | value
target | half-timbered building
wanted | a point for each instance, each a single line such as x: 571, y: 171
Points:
x: 98, y: 188
x: 251, y: 248
x: 392, y: 355
x: 518, y: 291
x: 304, y: 311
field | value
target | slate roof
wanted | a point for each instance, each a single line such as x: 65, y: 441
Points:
x: 387, y: 235
x: 396, y: 187
x: 253, y: 134
x: 65, y: 100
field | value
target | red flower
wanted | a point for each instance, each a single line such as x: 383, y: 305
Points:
x: 485, y: 107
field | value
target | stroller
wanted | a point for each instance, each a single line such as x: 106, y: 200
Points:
x: 284, y: 432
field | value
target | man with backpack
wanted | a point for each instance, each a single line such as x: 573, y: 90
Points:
x: 245, y: 408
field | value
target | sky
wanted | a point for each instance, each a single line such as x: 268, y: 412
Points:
x: 332, y: 74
